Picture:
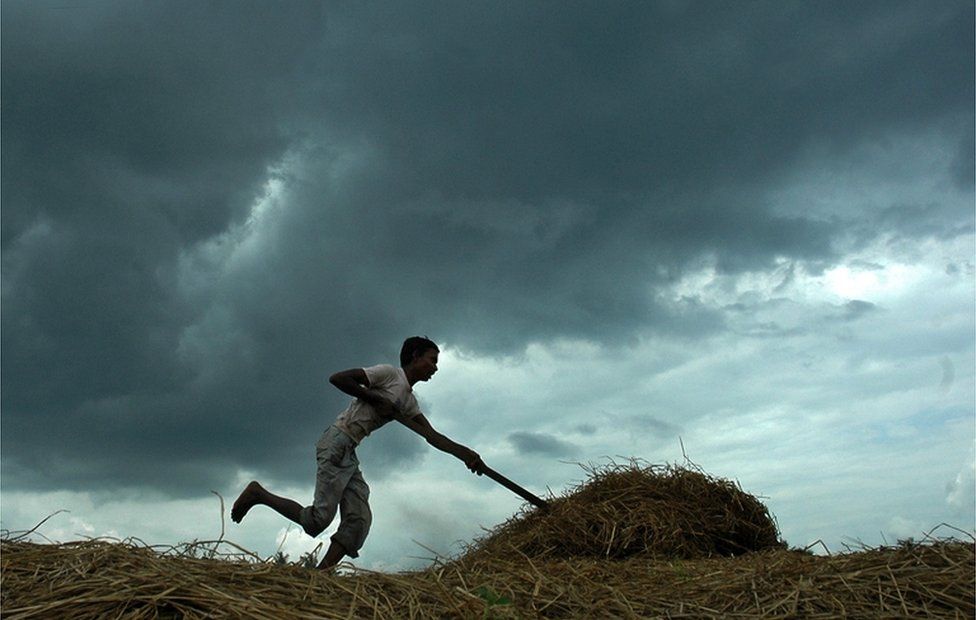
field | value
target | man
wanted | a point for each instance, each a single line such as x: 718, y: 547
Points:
x: 380, y: 394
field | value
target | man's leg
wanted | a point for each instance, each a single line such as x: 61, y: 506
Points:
x: 254, y: 494
x: 356, y: 518
x: 335, y: 553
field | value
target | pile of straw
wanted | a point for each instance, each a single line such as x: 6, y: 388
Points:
x: 637, y: 542
x: 637, y: 509
x: 98, y: 579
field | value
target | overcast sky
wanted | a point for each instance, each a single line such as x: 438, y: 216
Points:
x: 744, y: 228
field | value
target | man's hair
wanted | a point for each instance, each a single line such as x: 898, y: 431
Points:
x: 415, y: 346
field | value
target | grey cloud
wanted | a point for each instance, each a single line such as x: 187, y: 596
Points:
x: 542, y: 443
x: 769, y: 329
x: 488, y: 175
x: 634, y: 96
x: 653, y: 425
x: 751, y: 316
x: 847, y: 312
x: 586, y: 429
x: 788, y: 278
x: 856, y: 308
x: 144, y: 116
x: 866, y: 265
x: 964, y: 166
x: 911, y: 220
x: 751, y: 319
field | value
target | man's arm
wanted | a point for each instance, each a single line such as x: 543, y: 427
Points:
x: 355, y: 383
x: 422, y: 427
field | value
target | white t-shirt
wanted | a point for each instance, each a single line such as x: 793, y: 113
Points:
x: 360, y: 418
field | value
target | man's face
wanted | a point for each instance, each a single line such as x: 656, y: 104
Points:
x: 426, y: 364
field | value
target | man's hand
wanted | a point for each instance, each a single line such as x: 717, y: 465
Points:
x: 472, y: 460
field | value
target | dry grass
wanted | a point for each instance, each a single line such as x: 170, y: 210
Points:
x: 660, y: 511
x: 520, y: 570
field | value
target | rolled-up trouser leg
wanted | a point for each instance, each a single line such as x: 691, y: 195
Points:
x: 355, y: 515
x: 337, y: 464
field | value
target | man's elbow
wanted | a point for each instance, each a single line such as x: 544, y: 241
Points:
x: 436, y: 439
x: 340, y: 379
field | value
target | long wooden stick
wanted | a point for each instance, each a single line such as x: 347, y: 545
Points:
x: 488, y: 471
x: 505, y: 482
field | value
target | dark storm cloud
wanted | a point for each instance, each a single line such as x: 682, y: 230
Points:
x: 569, y: 152
x: 486, y: 174
x: 129, y: 131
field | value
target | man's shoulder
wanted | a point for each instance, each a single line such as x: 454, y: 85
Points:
x: 381, y: 373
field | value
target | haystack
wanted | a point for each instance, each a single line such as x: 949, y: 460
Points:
x: 92, y: 580
x: 632, y: 541
x: 638, y: 509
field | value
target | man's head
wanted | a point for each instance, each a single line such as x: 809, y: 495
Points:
x: 419, y: 354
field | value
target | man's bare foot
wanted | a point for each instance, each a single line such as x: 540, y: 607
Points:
x: 246, y: 500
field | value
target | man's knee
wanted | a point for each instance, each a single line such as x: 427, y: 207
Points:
x: 314, y: 521
x: 313, y: 529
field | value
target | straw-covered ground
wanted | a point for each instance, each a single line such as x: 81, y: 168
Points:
x: 632, y: 541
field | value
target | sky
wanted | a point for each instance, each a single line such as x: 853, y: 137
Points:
x: 738, y: 233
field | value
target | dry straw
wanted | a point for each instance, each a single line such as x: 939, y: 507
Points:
x: 684, y: 546
x: 640, y: 509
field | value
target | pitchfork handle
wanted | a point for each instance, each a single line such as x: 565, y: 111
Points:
x: 511, y: 486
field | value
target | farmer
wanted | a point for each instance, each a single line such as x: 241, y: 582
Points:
x: 380, y: 394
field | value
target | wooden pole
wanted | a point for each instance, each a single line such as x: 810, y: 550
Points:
x: 511, y: 486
